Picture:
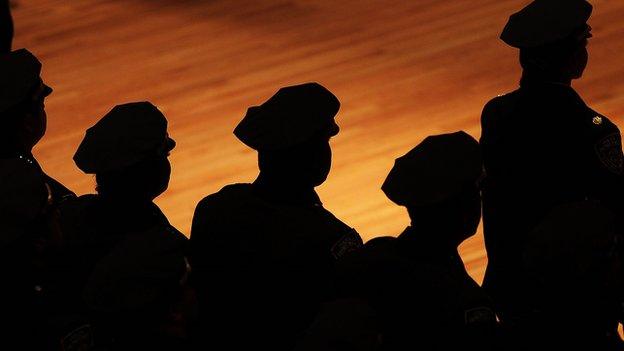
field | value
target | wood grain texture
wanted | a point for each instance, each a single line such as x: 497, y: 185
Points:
x: 403, y: 69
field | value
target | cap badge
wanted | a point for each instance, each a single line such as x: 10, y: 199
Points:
x: 597, y: 120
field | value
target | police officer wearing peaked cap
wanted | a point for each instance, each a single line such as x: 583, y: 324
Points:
x: 22, y: 112
x: 542, y: 145
x: 424, y: 297
x: 263, y: 252
x: 121, y: 246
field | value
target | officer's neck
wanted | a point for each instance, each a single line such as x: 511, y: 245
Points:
x: 434, y: 237
x: 124, y: 200
x: 285, y: 190
x: 533, y: 78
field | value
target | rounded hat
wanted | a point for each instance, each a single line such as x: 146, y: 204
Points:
x: 545, y: 21
x: 435, y: 170
x: 290, y: 117
x: 126, y: 135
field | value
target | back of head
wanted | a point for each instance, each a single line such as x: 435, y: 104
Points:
x: 436, y: 169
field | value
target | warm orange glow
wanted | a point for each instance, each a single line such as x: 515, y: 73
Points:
x: 401, y: 69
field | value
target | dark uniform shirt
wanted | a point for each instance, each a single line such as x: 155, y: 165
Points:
x: 124, y: 264
x: 59, y: 192
x: 262, y: 263
x: 542, y: 146
x: 424, y: 298
x: 32, y: 300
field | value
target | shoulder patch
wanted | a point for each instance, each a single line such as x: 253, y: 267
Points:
x: 609, y: 152
x: 350, y: 241
x: 479, y: 314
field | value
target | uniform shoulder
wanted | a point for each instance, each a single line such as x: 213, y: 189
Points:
x: 501, y: 101
x: 225, y: 201
x: 494, y: 111
x: 229, y: 193
x: 75, y: 215
x: 77, y: 207
x: 375, y: 250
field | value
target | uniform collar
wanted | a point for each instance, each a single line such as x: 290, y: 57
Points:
x: 530, y: 79
x: 27, y: 157
x: 132, y: 212
x: 277, y: 193
x: 529, y: 83
x: 424, y: 244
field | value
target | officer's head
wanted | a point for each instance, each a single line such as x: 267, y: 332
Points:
x: 564, y: 59
x: 22, y: 97
x: 305, y: 164
x: 552, y: 36
x: 144, y: 180
x: 128, y: 152
x: 291, y: 132
x: 456, y: 217
x: 439, y: 183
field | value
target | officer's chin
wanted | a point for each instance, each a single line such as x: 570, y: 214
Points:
x: 319, y: 180
x: 161, y: 190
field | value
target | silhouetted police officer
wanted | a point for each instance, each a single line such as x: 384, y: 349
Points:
x: 542, y: 145
x: 32, y: 317
x: 571, y: 263
x: 6, y: 27
x: 263, y: 253
x: 424, y: 298
x: 127, y: 262
x: 22, y: 112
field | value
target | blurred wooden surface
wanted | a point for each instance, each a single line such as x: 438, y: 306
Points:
x: 403, y: 69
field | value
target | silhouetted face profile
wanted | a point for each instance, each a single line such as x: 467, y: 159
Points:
x: 578, y: 61
x: 306, y: 165
x: 29, y: 120
x: 455, y: 219
x: 35, y: 115
x: 143, y: 181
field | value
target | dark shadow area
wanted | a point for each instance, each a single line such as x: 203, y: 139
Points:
x: 6, y: 27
